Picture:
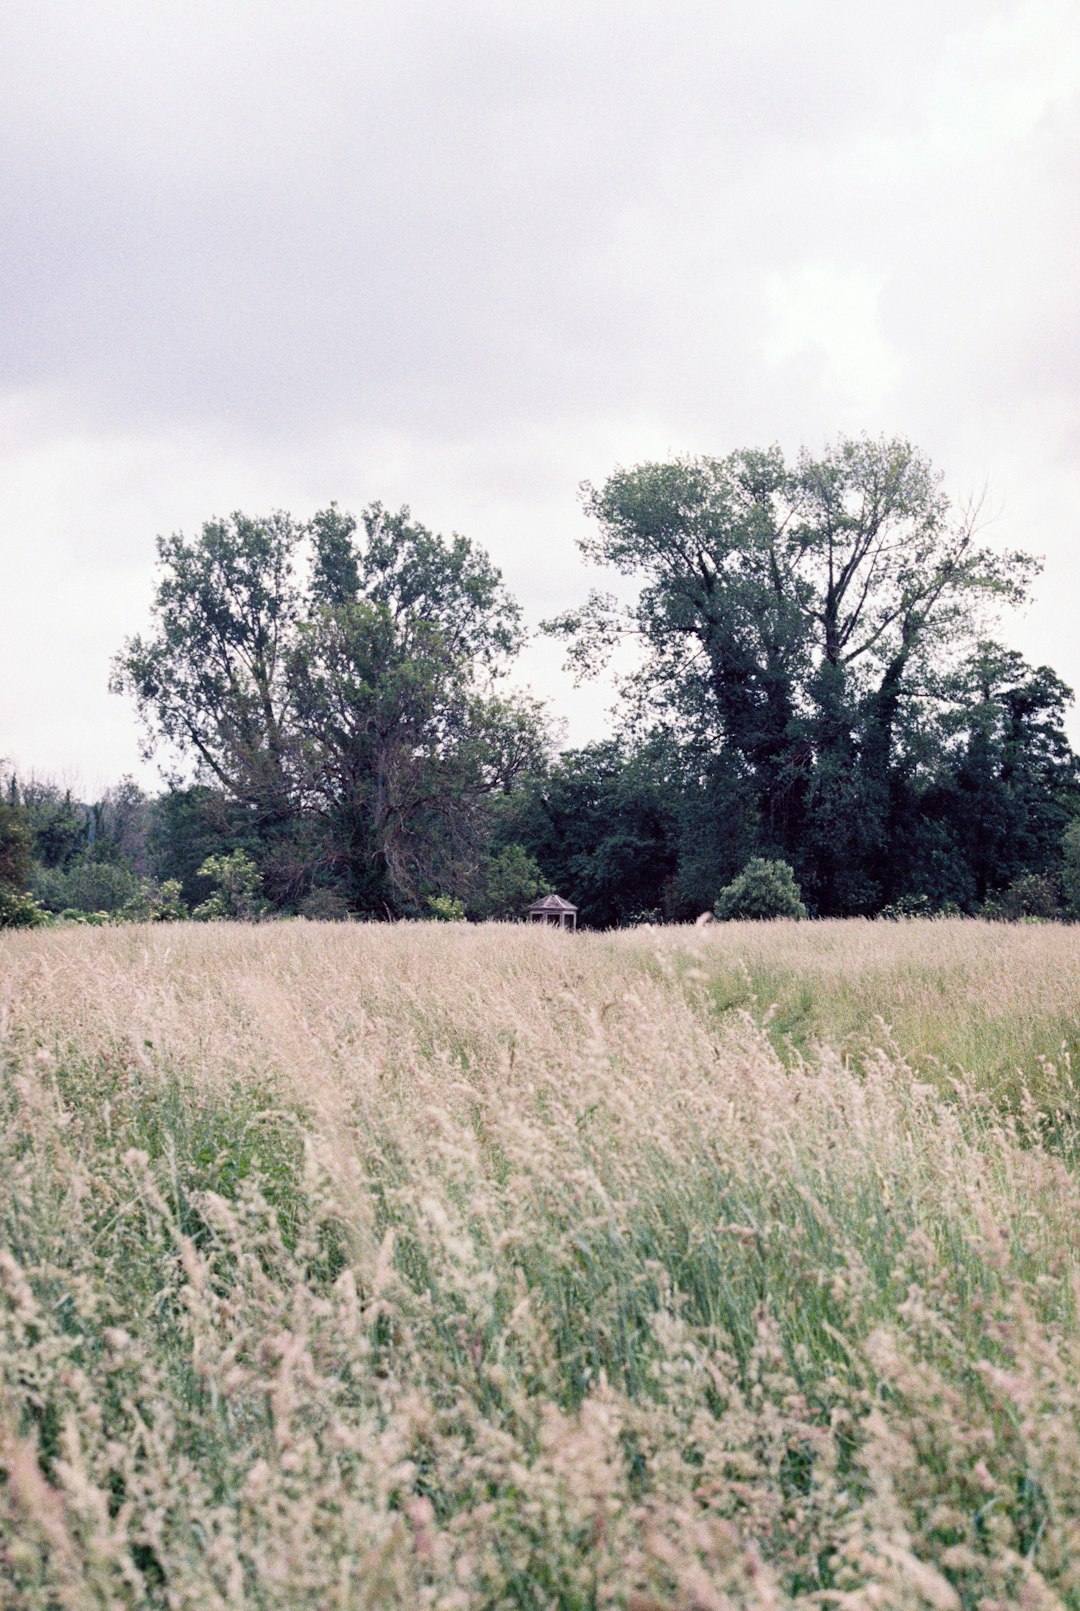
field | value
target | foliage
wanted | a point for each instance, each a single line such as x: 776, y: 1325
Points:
x: 19, y: 910
x: 324, y: 905
x: 355, y: 695
x: 15, y: 847
x: 816, y: 687
x: 109, y: 889
x: 764, y: 889
x: 920, y: 905
x: 189, y: 824
x: 404, y: 773
x: 210, y: 678
x: 1070, y: 871
x: 600, y: 824
x: 236, y: 885
x: 1010, y: 786
x: 446, y: 908
x: 58, y: 824
x: 120, y: 827
x: 155, y: 902
x: 511, y: 881
x: 85, y: 886
x: 806, y: 621
x: 1029, y: 896
x: 404, y: 739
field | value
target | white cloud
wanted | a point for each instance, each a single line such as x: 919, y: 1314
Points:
x: 831, y: 313
x: 263, y: 255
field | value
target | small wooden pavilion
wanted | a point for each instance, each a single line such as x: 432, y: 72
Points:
x: 554, y: 910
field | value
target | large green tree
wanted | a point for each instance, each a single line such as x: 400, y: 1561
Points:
x: 791, y: 617
x: 1008, y: 785
x: 17, y: 909
x: 404, y: 736
x: 342, y: 673
x: 209, y: 679
x: 15, y: 847
x: 59, y: 824
x: 602, y: 824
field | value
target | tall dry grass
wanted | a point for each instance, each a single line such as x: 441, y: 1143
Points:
x: 348, y: 1266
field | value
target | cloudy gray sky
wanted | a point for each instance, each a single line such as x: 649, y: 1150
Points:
x: 257, y: 254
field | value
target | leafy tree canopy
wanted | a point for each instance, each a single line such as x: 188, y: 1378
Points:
x: 15, y: 842
x: 764, y: 889
x: 806, y: 621
x: 342, y: 672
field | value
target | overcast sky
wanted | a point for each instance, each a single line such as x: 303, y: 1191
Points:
x: 256, y: 254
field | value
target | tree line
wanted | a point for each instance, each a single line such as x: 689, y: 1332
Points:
x: 816, y: 682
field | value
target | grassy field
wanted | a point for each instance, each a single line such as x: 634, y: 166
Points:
x: 442, y: 1266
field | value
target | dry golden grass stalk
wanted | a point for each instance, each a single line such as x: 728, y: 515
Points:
x: 466, y: 1267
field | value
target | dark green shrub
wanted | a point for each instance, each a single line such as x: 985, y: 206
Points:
x: 762, y: 889
x: 1032, y: 895
x: 919, y: 906
x: 237, y: 893
x: 1070, y: 871
x: 508, y: 886
x: 324, y: 906
x: 18, y: 909
x: 84, y: 886
x: 15, y: 847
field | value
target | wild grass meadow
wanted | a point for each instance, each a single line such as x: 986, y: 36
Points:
x: 449, y: 1266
